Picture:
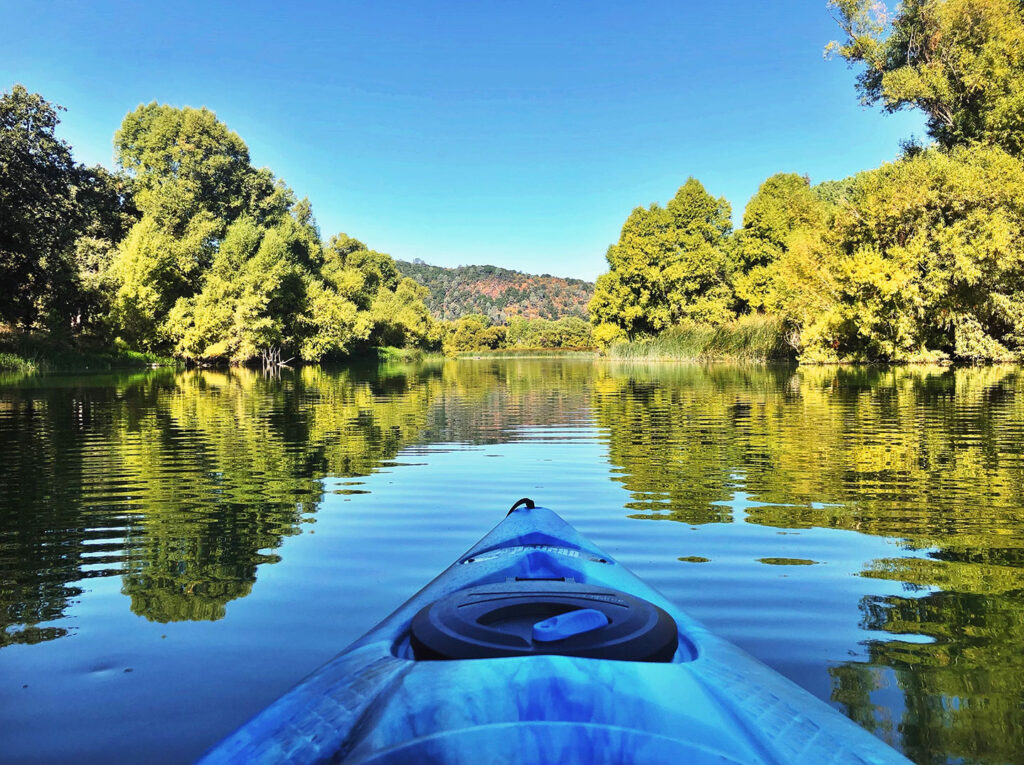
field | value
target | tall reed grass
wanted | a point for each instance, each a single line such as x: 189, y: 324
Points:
x: 529, y: 353
x: 749, y: 338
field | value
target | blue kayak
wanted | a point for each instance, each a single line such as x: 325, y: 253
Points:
x: 536, y: 647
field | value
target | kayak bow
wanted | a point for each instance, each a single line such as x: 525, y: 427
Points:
x: 535, y: 646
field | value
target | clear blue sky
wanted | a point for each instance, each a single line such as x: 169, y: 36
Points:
x: 515, y: 133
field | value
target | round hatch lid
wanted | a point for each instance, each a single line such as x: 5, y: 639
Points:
x: 530, y: 617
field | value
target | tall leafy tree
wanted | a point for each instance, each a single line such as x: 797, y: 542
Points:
x: 400, y: 316
x: 960, y: 61
x: 39, y: 216
x: 107, y: 207
x: 225, y: 263
x: 153, y: 269
x: 251, y: 297
x: 357, y: 271
x: 669, y: 266
x: 784, y: 203
x: 59, y: 221
x: 186, y: 162
x: 193, y: 180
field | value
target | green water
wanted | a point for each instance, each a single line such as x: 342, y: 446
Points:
x: 177, y: 549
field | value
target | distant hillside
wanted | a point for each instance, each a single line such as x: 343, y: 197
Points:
x: 498, y: 292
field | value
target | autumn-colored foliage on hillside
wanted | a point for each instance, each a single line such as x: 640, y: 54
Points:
x: 498, y: 293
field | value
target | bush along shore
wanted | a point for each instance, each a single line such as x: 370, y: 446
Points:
x: 40, y: 353
x: 918, y: 260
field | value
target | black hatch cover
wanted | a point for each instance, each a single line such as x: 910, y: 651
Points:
x: 497, y: 620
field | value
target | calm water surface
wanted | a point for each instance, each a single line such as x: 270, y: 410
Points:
x: 178, y: 549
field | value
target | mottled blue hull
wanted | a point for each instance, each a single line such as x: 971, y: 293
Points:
x: 710, y: 703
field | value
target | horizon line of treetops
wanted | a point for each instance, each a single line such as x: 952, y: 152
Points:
x: 187, y: 248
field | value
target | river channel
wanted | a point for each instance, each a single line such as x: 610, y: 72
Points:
x: 178, y: 548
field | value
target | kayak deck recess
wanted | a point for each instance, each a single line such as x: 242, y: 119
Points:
x: 710, y: 702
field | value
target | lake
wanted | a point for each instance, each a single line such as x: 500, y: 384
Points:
x: 179, y: 548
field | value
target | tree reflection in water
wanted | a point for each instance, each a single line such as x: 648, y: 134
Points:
x: 184, y: 484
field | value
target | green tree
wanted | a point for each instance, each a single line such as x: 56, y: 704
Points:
x: 190, y: 173
x: 925, y: 259
x: 225, y: 263
x: 783, y: 203
x: 474, y: 332
x: 186, y: 162
x: 334, y: 323
x: 107, y: 208
x: 252, y: 296
x: 356, y: 271
x: 152, y: 270
x: 668, y: 266
x: 567, y: 332
x: 400, y: 316
x: 59, y: 222
x: 960, y: 61
x: 371, y: 302
x: 39, y: 216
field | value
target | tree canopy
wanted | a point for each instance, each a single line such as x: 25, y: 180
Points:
x: 925, y: 260
x: 57, y: 217
x: 959, y: 61
x: 669, y: 264
x: 784, y: 203
x: 226, y: 263
x: 187, y: 248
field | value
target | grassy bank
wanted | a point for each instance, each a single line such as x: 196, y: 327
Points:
x: 390, y: 354
x: 749, y: 338
x: 32, y: 352
x: 528, y: 353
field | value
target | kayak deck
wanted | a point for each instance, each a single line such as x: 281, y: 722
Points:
x: 707, y: 702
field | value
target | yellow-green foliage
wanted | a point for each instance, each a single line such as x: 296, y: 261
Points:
x: 669, y: 265
x: 400, y: 317
x: 924, y: 260
x: 225, y: 263
x: 568, y: 332
x: 961, y: 62
x: 249, y: 299
x: 471, y: 333
x: 475, y: 332
x: 918, y: 260
x: 784, y: 204
x: 15, y: 363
